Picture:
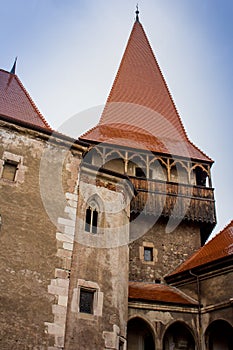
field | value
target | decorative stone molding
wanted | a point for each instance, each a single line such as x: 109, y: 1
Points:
x: 20, y: 168
x: 113, y: 340
x: 60, y: 285
x: 154, y: 253
x: 97, y: 302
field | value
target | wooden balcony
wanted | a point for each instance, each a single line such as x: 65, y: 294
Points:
x: 175, y: 200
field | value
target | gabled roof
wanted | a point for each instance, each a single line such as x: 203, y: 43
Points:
x: 140, y: 104
x: 160, y: 293
x: 16, y: 104
x: 221, y: 246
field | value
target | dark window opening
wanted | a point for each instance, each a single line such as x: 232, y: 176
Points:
x: 148, y: 254
x: 9, y: 170
x: 86, y: 301
x: 121, y: 345
x: 91, y: 222
x: 139, y: 172
x: 200, y: 177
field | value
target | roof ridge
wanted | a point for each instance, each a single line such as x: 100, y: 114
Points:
x: 200, y: 150
x: 137, y: 23
x: 32, y: 102
x: 140, y: 96
x: 183, y: 294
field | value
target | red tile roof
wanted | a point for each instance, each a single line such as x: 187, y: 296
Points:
x: 16, y: 103
x: 219, y: 247
x: 140, y: 103
x: 158, y: 293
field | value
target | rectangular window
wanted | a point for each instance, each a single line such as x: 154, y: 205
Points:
x: 86, y: 301
x: 9, y: 170
x: 148, y: 254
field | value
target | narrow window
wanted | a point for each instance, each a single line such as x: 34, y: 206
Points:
x: 94, y: 221
x: 148, y: 254
x: 86, y: 301
x: 88, y: 219
x: 9, y: 170
x: 91, y: 222
x: 200, y: 177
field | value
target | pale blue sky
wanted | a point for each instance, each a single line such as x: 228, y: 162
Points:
x: 69, y: 51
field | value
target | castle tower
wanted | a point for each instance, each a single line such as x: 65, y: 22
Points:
x: 140, y: 134
x: 140, y: 149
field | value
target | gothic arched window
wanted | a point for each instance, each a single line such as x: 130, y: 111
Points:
x: 91, y: 221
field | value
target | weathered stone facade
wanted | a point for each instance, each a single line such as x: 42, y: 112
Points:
x: 171, y: 248
x: 34, y: 263
x: 97, y: 234
x: 100, y: 264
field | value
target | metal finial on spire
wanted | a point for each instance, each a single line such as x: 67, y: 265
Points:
x: 13, y: 69
x: 137, y: 13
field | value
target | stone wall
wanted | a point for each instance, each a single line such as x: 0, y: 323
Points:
x: 170, y: 248
x: 100, y: 265
x: 29, y: 239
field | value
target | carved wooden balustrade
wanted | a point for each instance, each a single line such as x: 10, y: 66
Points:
x: 175, y: 200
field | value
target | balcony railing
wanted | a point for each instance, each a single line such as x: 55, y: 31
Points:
x: 172, y: 199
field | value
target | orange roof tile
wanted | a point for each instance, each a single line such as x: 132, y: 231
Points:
x: 158, y: 293
x: 219, y: 247
x: 16, y: 103
x: 140, y: 102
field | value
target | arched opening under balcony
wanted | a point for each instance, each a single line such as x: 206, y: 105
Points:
x: 219, y: 336
x: 178, y: 337
x: 139, y: 335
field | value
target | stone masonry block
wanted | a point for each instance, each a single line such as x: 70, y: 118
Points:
x: 68, y: 246
x: 66, y: 222
x: 57, y: 290
x: 55, y: 329
x: 69, y: 230
x: 72, y: 196
x: 59, y: 310
x: 62, y: 300
x: 72, y: 203
x: 60, y: 282
x: 64, y: 238
x: 63, y: 253
x: 60, y: 273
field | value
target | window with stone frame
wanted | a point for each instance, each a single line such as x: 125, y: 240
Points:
x: 91, y: 221
x: 9, y: 170
x: 148, y: 253
x: 89, y: 299
x: 86, y: 300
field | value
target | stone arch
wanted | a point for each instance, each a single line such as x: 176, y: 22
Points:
x: 219, y: 335
x: 178, y: 336
x: 140, y: 335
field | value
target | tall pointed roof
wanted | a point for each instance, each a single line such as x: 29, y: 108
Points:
x: 140, y: 105
x: 219, y: 247
x: 15, y: 102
